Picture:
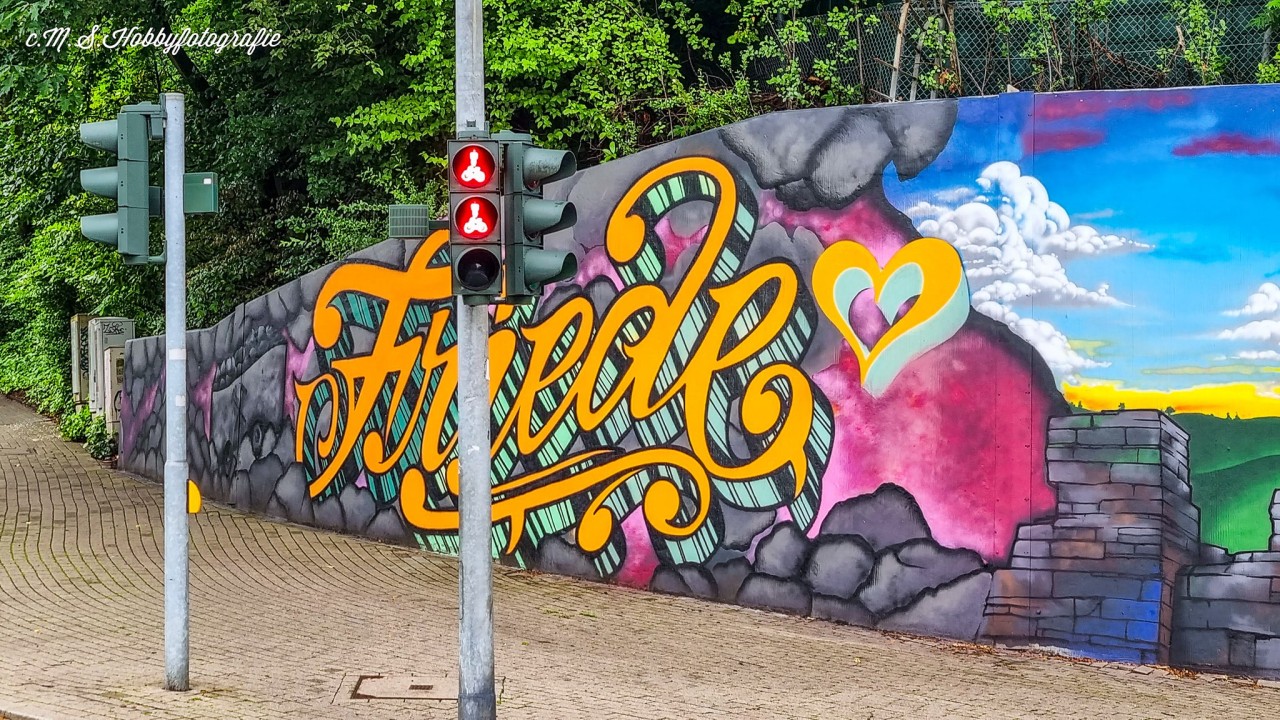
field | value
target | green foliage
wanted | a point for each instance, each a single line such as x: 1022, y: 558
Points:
x: 935, y: 43
x: 1034, y: 19
x: 1269, y: 72
x: 99, y: 441
x: 704, y: 106
x: 74, y: 426
x: 1269, y: 18
x: 569, y: 71
x: 1201, y: 32
x: 770, y: 34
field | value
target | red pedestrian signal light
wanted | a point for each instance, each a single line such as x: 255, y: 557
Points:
x: 475, y: 217
x: 474, y: 168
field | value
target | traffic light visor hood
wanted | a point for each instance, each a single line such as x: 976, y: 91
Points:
x: 543, y: 166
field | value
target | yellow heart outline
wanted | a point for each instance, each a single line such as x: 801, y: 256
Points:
x: 928, y: 269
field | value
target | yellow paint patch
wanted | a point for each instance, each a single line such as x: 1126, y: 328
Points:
x: 1237, y: 369
x: 1246, y: 400
x: 194, y: 500
x: 1088, y: 348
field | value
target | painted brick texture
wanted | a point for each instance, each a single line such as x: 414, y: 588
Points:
x: 1099, y: 577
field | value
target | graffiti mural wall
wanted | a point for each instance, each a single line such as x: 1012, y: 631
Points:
x: 997, y: 369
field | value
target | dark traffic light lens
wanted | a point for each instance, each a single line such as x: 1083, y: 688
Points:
x: 478, y: 268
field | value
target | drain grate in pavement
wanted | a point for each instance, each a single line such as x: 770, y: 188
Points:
x: 404, y: 687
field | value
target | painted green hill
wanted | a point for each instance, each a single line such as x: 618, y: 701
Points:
x: 1235, y: 503
x: 1235, y: 467
x: 1218, y: 443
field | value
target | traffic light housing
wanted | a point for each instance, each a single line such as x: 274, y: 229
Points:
x: 475, y: 219
x: 128, y: 137
x: 529, y: 216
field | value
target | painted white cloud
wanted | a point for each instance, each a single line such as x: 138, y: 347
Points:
x: 1260, y: 332
x: 1014, y: 241
x: 1052, y: 345
x: 955, y: 195
x: 1264, y: 301
x: 1257, y: 355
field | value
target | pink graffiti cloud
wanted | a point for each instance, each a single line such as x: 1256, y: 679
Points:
x: 1228, y: 143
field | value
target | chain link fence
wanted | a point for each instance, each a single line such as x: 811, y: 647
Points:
x: 934, y: 48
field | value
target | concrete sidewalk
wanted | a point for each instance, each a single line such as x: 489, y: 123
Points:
x: 286, y: 621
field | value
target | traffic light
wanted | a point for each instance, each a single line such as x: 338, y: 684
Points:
x: 127, y: 182
x: 526, y: 169
x: 475, y: 219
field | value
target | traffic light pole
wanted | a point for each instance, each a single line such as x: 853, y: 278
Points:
x: 476, y: 700
x: 176, y: 607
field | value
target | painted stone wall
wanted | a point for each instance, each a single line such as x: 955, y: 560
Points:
x: 852, y: 363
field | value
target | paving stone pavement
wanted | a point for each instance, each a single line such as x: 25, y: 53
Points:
x: 285, y: 621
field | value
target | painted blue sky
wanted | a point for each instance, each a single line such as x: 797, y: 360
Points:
x: 1153, y: 227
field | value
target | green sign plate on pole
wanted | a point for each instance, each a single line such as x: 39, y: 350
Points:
x: 200, y: 193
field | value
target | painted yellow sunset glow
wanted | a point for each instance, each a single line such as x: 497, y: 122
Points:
x: 1245, y: 400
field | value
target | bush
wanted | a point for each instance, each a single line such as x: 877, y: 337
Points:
x: 75, y: 426
x: 99, y: 441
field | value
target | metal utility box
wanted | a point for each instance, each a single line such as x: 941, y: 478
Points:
x: 104, y: 332
x: 113, y: 387
x: 80, y: 359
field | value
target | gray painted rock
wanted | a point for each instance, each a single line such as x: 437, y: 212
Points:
x: 389, y: 253
x: 919, y: 131
x: 686, y: 579
x: 769, y: 143
x: 904, y: 572
x: 844, y: 166
x: 845, y: 151
x: 729, y: 576
x: 772, y: 593
x: 264, y: 440
x: 290, y: 297
x: 328, y: 514
x: 361, y: 341
x: 666, y: 579
x: 291, y: 491
x: 223, y: 345
x: 284, y: 447
x: 889, y: 516
x: 299, y: 330
x: 557, y: 555
x: 278, y: 314
x: 240, y: 491
x: 275, y: 509
x: 358, y: 508
x: 839, y: 565
x: 245, y: 455
x: 742, y: 526
x: 952, y: 610
x: 700, y: 581
x: 851, y: 612
x: 263, y: 476
x: 783, y: 552
x: 388, y: 526
x: 263, y: 386
x: 310, y: 285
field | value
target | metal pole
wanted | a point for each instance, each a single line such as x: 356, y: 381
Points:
x: 177, y: 626
x: 476, y: 699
